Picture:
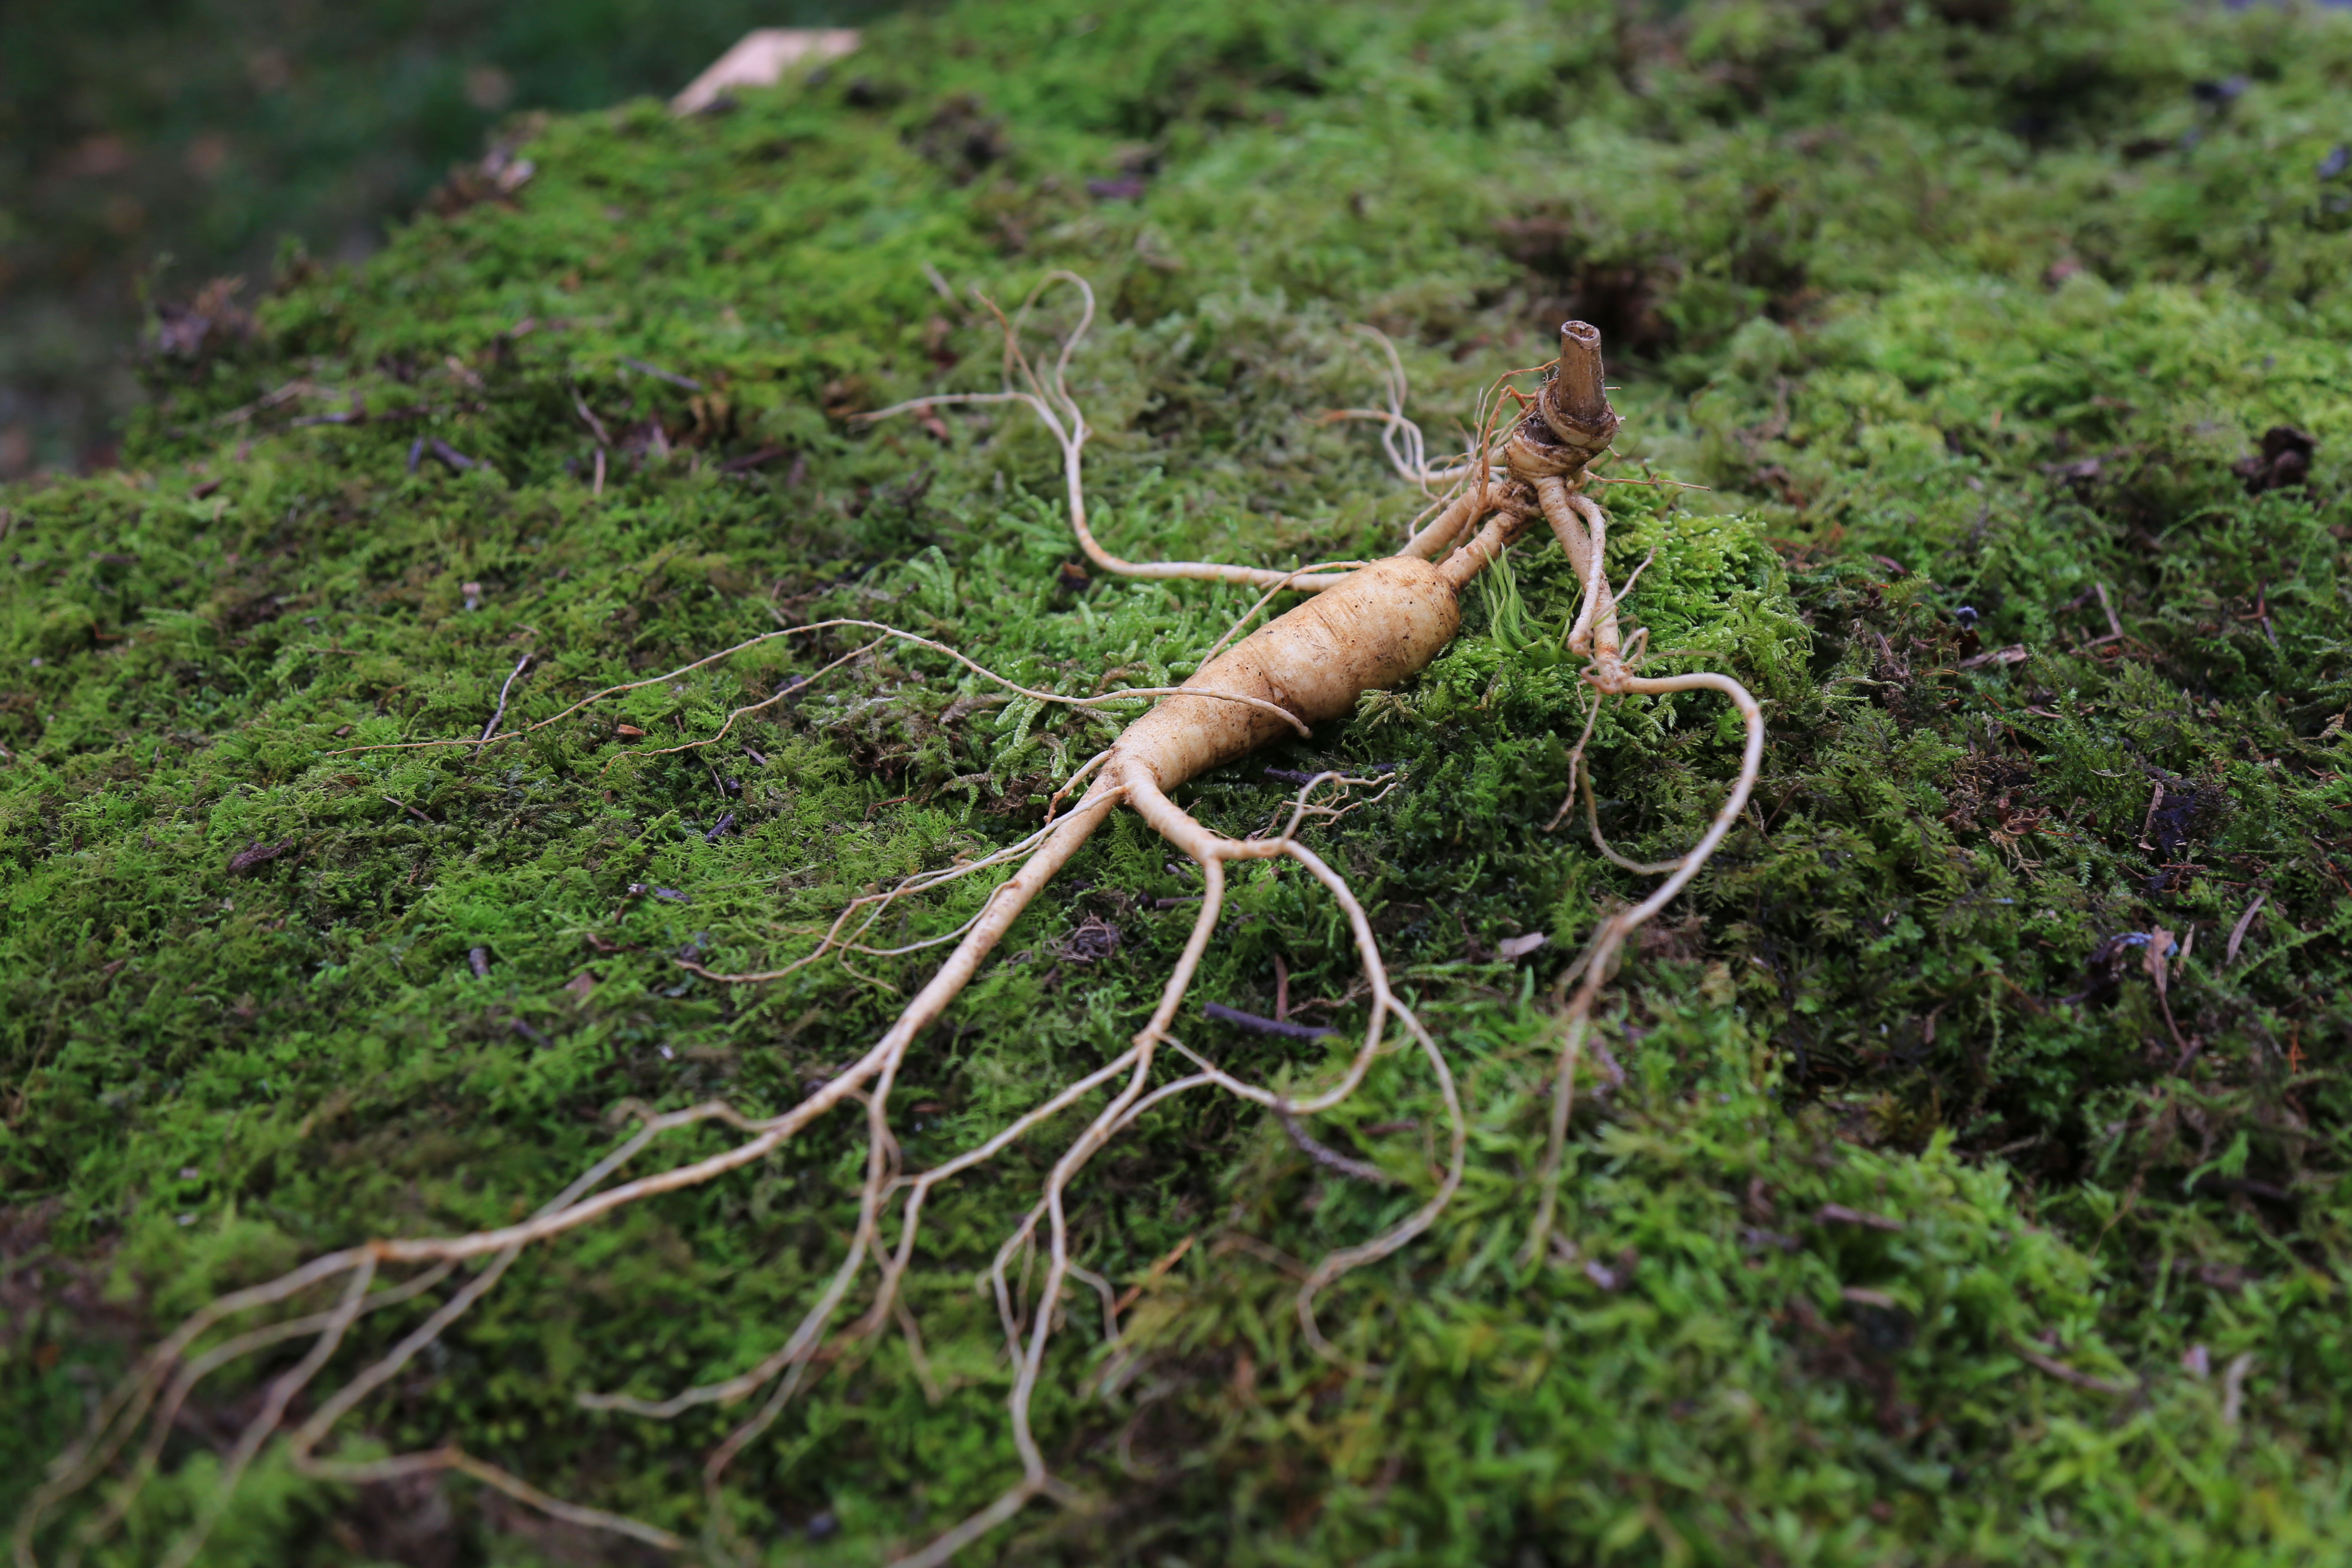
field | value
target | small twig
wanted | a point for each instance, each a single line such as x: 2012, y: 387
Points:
x: 751, y: 460
x: 2159, y: 941
x: 255, y: 854
x: 1134, y: 1291
x: 287, y: 393
x: 1323, y: 1154
x: 688, y: 382
x: 491, y: 728
x: 894, y: 800
x: 1264, y: 1252
x: 356, y: 414
x: 2149, y: 822
x: 2064, y: 1373
x: 412, y: 811
x: 1221, y: 1014
x: 2114, y: 627
x: 588, y: 418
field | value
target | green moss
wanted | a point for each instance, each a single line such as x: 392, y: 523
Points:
x: 1949, y: 312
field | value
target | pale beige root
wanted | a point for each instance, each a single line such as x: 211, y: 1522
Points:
x: 1182, y: 830
x: 1048, y: 396
x: 1029, y: 1334
x: 1581, y: 527
x: 1306, y: 666
x: 1581, y: 775
x: 126, y: 1407
x: 1335, y: 637
x: 1384, y: 623
x: 121, y: 1414
x: 887, y: 633
x: 1445, y: 528
x: 1400, y: 438
x: 1569, y: 424
x: 1598, y: 964
x: 1371, y: 628
x: 1485, y: 547
x: 1193, y: 732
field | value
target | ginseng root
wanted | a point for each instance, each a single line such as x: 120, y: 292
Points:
x: 1367, y: 625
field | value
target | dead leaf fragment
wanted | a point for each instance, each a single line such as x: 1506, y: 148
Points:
x: 256, y: 854
x: 2238, y: 932
x: 759, y: 58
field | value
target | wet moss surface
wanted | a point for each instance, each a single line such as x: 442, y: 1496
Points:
x: 1973, y: 1186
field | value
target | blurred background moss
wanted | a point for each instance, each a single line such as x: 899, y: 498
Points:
x: 148, y: 146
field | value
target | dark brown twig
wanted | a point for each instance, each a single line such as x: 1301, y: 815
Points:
x: 1256, y: 1024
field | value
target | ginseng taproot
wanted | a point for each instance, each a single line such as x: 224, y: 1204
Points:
x: 1366, y: 627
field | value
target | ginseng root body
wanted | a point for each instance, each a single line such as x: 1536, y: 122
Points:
x: 1377, y: 628
x: 1368, y: 625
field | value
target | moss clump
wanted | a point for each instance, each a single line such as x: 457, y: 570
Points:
x: 1922, y: 1228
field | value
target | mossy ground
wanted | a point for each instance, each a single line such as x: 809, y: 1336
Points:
x: 1959, y: 305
